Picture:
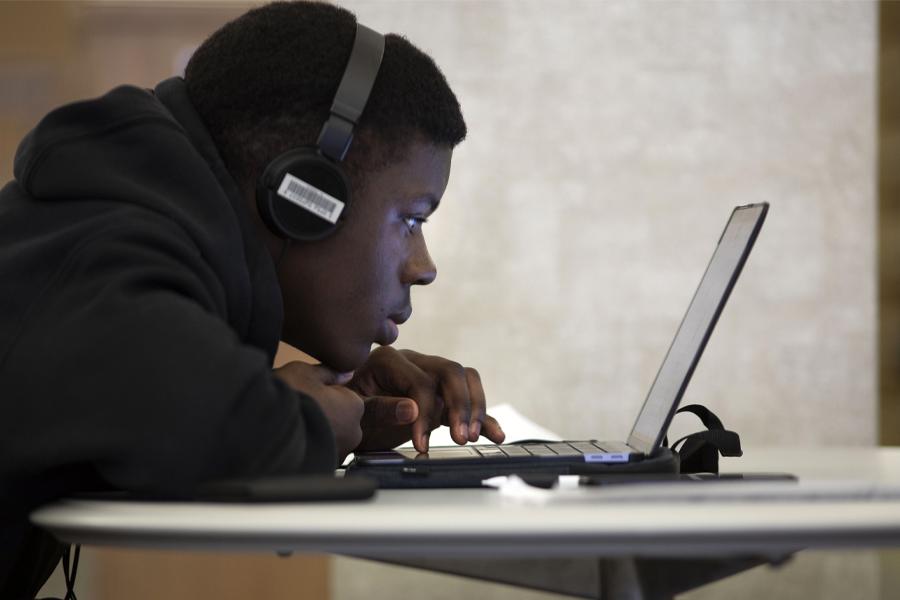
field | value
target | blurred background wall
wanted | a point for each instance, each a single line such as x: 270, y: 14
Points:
x: 608, y: 143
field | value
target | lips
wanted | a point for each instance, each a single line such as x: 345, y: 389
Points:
x: 401, y: 317
x: 390, y: 330
x: 389, y: 333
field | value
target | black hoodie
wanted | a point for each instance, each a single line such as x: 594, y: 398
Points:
x: 139, y: 316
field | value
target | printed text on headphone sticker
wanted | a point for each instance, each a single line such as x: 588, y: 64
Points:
x: 310, y: 198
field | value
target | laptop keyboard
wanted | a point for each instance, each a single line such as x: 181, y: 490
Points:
x: 548, y: 449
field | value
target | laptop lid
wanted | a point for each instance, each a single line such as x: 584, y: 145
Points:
x: 696, y: 327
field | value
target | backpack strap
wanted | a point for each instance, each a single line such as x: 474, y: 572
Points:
x: 699, y: 452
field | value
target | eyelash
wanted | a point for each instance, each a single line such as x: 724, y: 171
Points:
x: 412, y: 222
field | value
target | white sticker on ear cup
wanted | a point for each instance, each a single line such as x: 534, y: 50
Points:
x: 310, y: 198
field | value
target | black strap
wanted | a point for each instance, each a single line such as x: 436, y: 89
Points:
x: 352, y: 93
x: 699, y: 452
x: 70, y: 571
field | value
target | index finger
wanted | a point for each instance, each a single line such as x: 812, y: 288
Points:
x: 477, y: 403
x: 460, y: 391
x: 413, y: 382
x: 390, y: 372
x: 430, y: 408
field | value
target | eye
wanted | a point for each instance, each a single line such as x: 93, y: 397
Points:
x: 413, y: 222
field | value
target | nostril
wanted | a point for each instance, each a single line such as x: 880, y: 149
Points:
x: 427, y: 277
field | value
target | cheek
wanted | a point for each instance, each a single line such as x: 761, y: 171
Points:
x: 367, y: 255
x: 363, y: 273
x: 380, y: 269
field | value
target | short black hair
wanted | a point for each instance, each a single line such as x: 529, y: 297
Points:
x: 264, y: 84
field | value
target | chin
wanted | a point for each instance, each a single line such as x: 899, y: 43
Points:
x: 341, y: 358
x: 346, y: 359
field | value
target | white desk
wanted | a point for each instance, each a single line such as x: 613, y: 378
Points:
x: 415, y: 526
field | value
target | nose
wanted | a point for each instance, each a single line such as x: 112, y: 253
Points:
x: 420, y: 269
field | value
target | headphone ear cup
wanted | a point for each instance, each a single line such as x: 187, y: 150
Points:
x: 306, y: 210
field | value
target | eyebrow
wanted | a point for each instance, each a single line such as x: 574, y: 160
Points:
x: 433, y: 202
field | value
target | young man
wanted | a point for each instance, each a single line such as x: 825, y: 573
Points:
x: 144, y: 294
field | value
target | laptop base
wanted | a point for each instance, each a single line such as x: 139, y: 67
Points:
x: 436, y: 474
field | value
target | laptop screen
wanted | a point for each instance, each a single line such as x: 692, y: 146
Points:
x: 696, y: 327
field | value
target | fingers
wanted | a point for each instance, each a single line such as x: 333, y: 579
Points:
x: 391, y: 373
x: 455, y: 393
x: 328, y: 376
x: 342, y: 407
x: 387, y: 411
x: 343, y: 378
x: 348, y: 410
x: 462, y: 394
x: 421, y: 429
x: 443, y: 391
x: 295, y: 371
x: 309, y: 378
x: 413, y: 382
x: 477, y: 403
x: 490, y: 429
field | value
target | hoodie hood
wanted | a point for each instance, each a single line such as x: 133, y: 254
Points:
x: 151, y: 149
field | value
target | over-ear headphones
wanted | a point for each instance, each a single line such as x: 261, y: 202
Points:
x: 303, y: 194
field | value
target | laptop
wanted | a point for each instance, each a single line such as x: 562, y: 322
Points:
x: 642, y: 450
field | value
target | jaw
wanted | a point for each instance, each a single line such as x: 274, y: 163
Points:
x: 342, y: 357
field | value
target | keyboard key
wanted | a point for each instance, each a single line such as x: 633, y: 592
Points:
x: 539, y: 450
x: 514, y: 450
x: 490, y: 451
x: 586, y: 447
x: 564, y: 449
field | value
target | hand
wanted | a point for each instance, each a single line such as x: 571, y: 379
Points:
x: 342, y: 407
x: 441, y: 391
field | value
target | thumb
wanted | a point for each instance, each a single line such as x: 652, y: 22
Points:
x: 388, y: 411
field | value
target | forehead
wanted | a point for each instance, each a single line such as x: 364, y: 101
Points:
x: 420, y: 173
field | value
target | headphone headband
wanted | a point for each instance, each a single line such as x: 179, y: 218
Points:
x: 352, y: 93
x: 304, y: 194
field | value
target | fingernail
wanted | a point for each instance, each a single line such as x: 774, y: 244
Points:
x: 462, y: 431
x: 475, y: 431
x: 405, y: 412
